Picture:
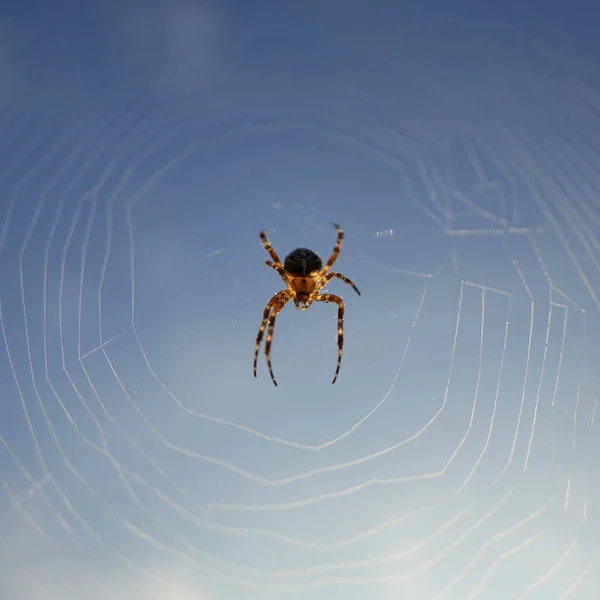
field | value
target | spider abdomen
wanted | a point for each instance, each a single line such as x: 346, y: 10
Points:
x: 302, y: 262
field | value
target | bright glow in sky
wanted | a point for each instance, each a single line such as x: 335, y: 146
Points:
x: 143, y: 148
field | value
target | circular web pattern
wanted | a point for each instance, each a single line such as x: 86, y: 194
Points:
x: 456, y: 455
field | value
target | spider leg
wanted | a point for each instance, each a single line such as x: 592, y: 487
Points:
x: 279, y: 269
x: 340, y: 303
x: 272, y: 302
x: 336, y: 250
x: 265, y: 242
x: 274, y: 314
x: 333, y: 274
x: 275, y: 304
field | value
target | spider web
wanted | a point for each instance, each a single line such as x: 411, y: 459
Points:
x: 456, y: 456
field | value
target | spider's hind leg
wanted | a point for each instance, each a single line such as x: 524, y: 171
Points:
x: 336, y: 249
x: 267, y: 245
x: 279, y: 269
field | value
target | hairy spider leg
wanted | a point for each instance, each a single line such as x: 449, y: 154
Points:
x: 265, y: 242
x: 277, y: 302
x: 274, y: 314
x: 333, y: 274
x: 280, y: 270
x: 340, y: 303
x: 336, y: 250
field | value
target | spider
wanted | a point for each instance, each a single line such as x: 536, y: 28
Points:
x: 304, y: 275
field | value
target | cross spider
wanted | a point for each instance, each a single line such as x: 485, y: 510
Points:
x: 304, y: 275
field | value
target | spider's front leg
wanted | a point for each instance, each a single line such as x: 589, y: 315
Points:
x: 273, y: 307
x: 340, y: 303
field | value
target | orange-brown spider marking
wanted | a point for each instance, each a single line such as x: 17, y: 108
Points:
x: 304, y: 275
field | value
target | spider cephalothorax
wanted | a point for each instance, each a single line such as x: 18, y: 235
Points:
x: 304, y: 275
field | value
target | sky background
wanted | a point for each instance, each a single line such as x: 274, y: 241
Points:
x: 143, y: 147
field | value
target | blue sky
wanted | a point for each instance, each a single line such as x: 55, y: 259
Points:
x: 143, y: 148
